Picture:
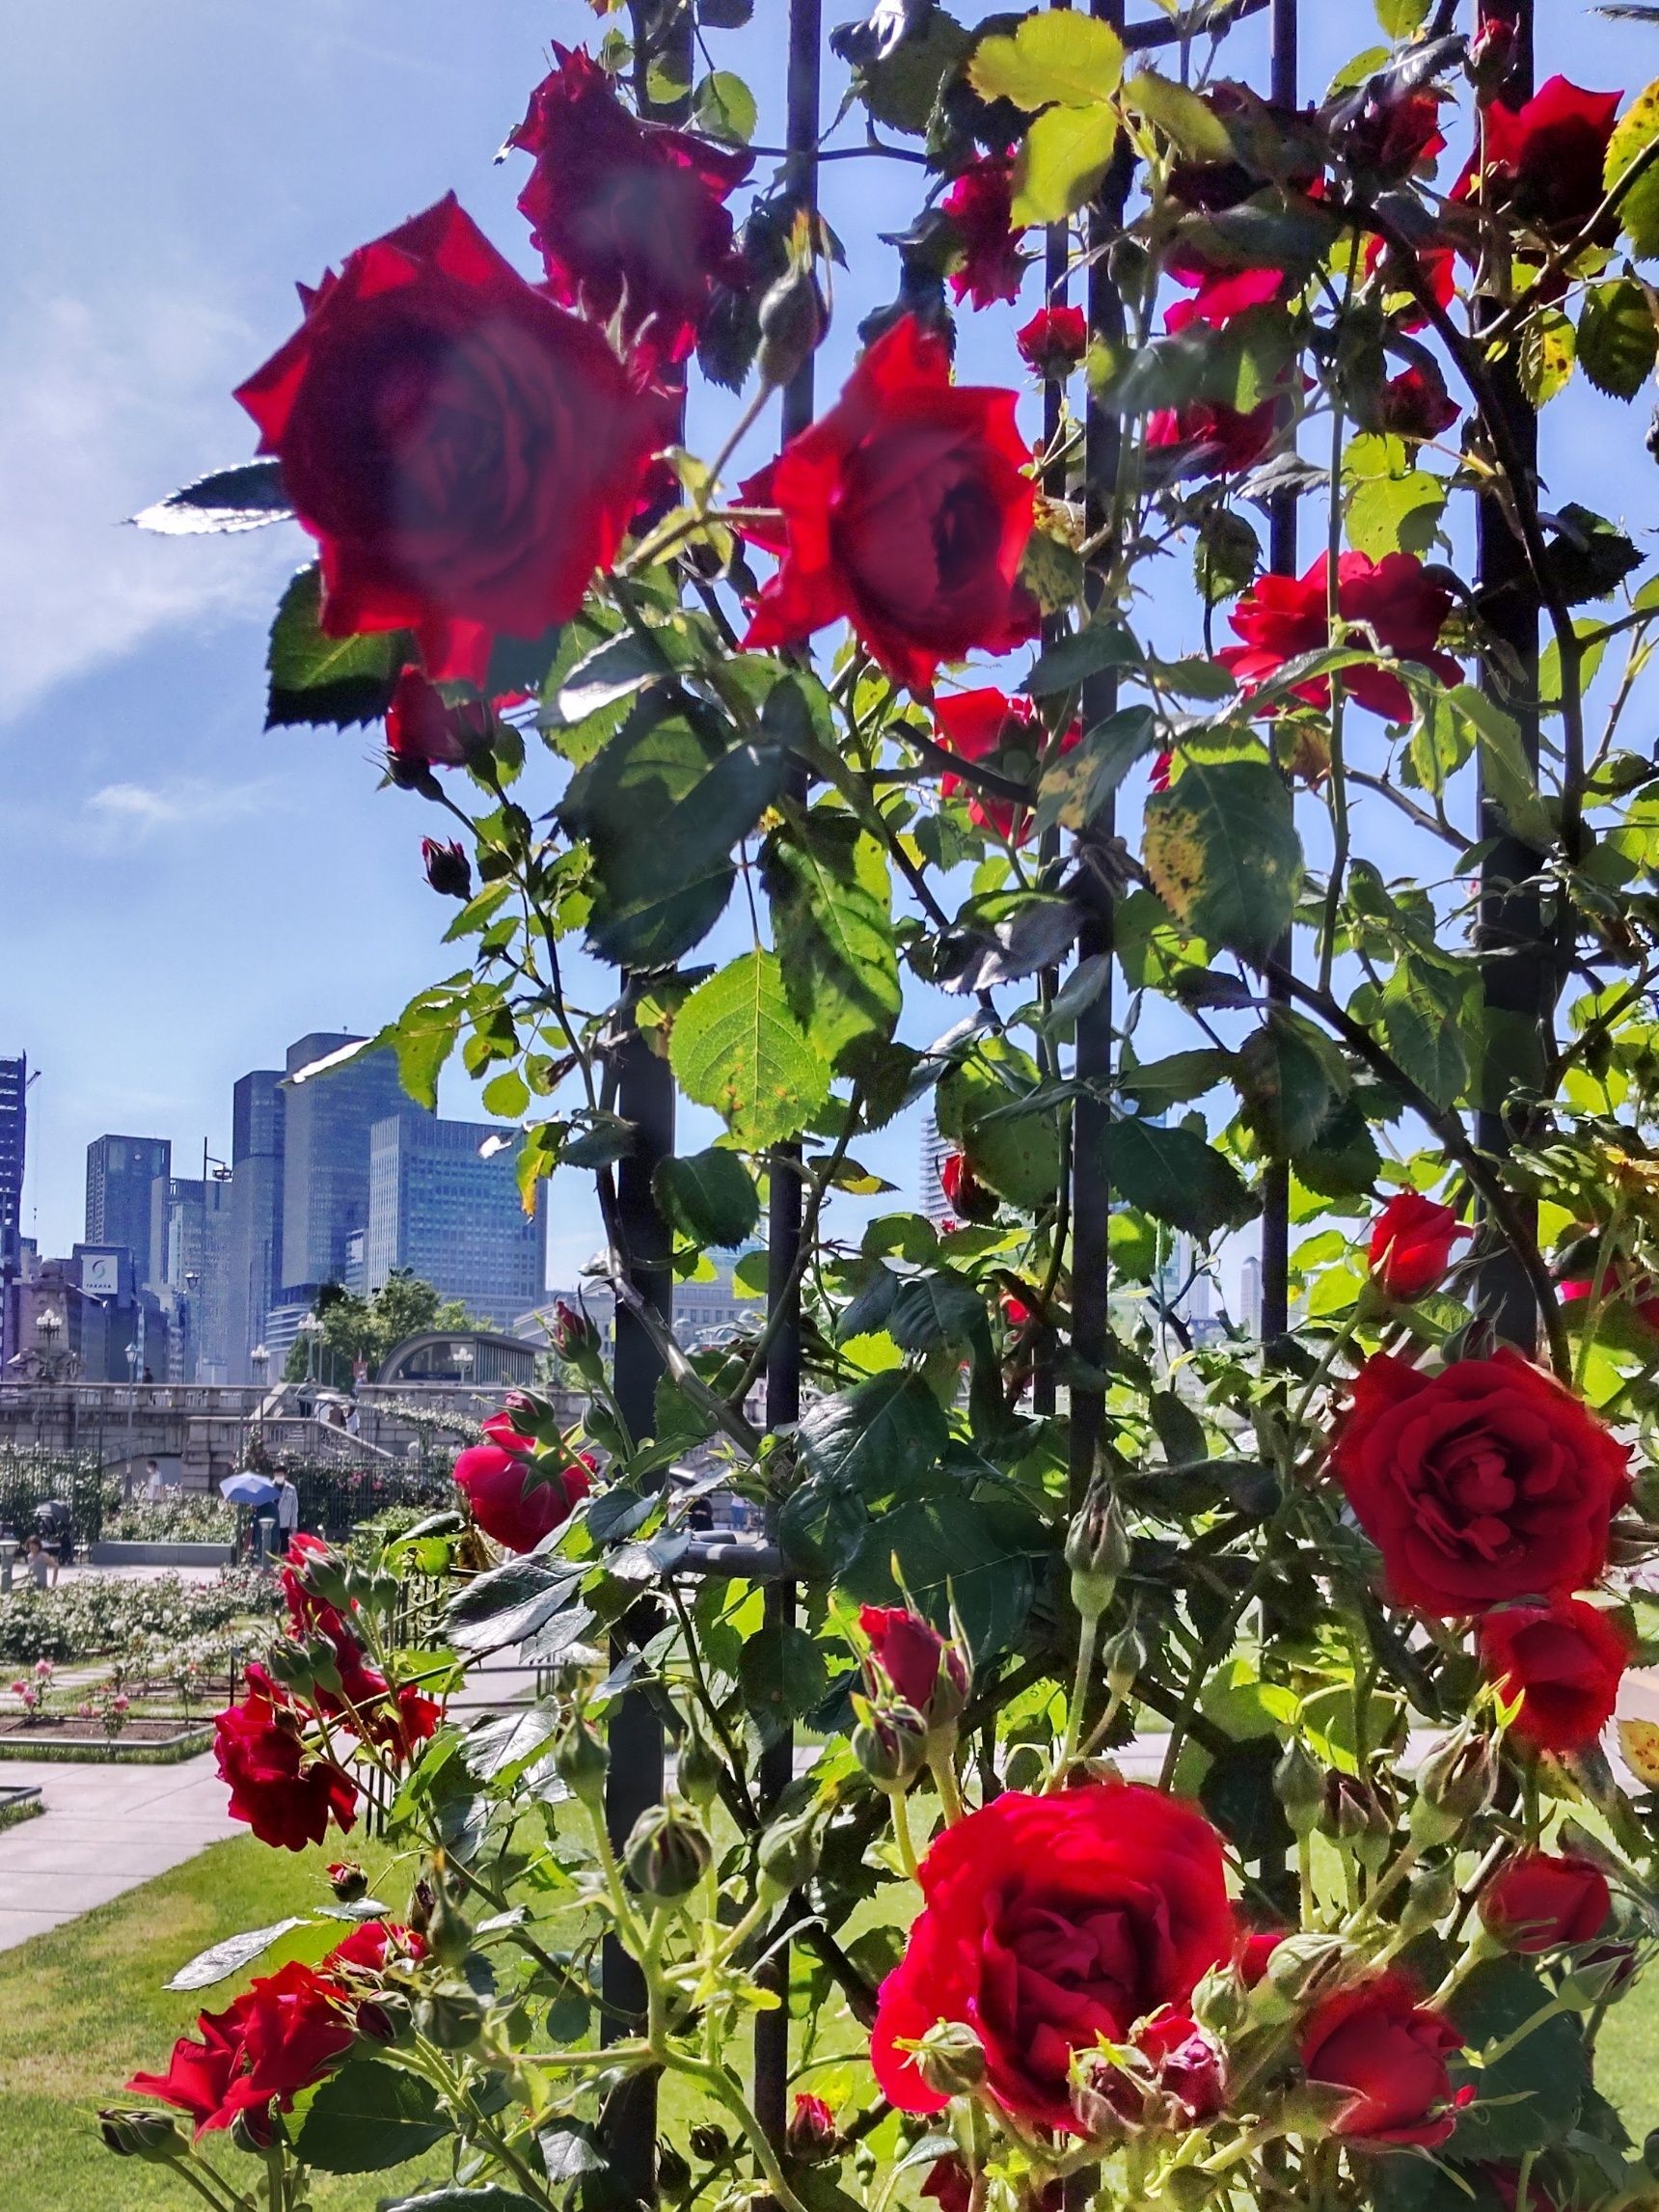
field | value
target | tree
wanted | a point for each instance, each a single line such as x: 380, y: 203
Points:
x: 368, y: 1329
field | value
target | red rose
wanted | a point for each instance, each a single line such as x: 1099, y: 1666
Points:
x: 977, y: 725
x: 281, y: 2034
x: 465, y: 452
x: 1392, y: 131
x: 1259, y: 1947
x: 447, y: 868
x: 1221, y: 293
x: 1054, y: 340
x: 966, y: 1194
x: 363, y: 1702
x: 812, y: 2132
x: 979, y: 205
x: 628, y: 217
x: 1416, y: 404
x: 1562, y: 1661
x: 1545, y: 161
x: 1487, y: 1481
x: 285, y: 1793
x: 1436, y: 265
x: 1411, y: 1244
x: 907, y: 1653
x: 515, y: 1498
x: 1391, y: 2051
x: 1185, y: 2065
x: 423, y: 731
x: 905, y: 512
x: 1015, y: 1311
x: 1282, y: 617
x: 1048, y: 1922
x: 1539, y: 1901
x: 368, y: 1946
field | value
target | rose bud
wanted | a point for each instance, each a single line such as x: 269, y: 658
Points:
x: 793, y: 320
x: 1389, y: 2052
x: 950, y: 2059
x: 667, y: 1853
x: 348, y: 1881
x: 1299, y: 1785
x: 1053, y: 342
x: 1306, y: 1965
x: 908, y: 1657
x: 1187, y: 2065
x: 698, y: 1771
x: 448, y: 1933
x: 448, y: 868
x: 1354, y: 1817
x: 673, y: 2171
x: 1218, y: 1999
x: 1455, y: 1784
x: 1411, y: 1244
x: 788, y: 1855
x: 155, y: 2135
x: 710, y: 2142
x: 451, y: 2017
x: 1599, y: 1975
x: 253, y: 2132
x: 581, y: 1759
x: 1429, y: 1897
x: 1540, y: 1901
x: 1124, y: 1657
x: 890, y: 1743
x: 1098, y: 1550
x: 811, y: 2133
x: 286, y: 1663
x: 576, y: 1339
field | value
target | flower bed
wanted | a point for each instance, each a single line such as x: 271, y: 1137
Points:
x: 95, y: 1613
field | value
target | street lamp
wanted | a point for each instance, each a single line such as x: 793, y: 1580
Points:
x: 259, y: 1359
x: 464, y: 1358
x: 310, y: 1328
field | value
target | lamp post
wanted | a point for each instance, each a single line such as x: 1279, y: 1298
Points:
x: 465, y: 1356
x: 310, y: 1328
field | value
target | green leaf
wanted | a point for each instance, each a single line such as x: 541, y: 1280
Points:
x: 1617, y: 340
x: 708, y: 1197
x: 1076, y: 784
x: 1418, y: 1021
x: 1076, y: 61
x: 1176, y: 1177
x: 1639, y: 210
x: 319, y: 679
x: 1547, y: 2074
x: 737, y: 1047
x: 1063, y: 156
x: 1292, y: 1079
x: 1507, y: 775
x: 903, y: 88
x: 1237, y: 1793
x: 1156, y: 1086
x: 951, y: 1549
x: 243, y: 497
x: 1071, y: 661
x: 370, y: 2116
x: 1403, y: 18
x: 1396, y: 514
x: 1548, y: 350
x: 616, y: 669
x: 1589, y: 557
x: 939, y: 1311
x: 832, y: 910
x: 782, y: 1673
x: 1017, y: 1154
x: 820, y: 1528
x: 878, y: 1438
x: 724, y: 108
x: 424, y: 1036
x: 221, y: 1960
x: 1186, y: 119
x: 1222, y: 851
x: 1441, y: 741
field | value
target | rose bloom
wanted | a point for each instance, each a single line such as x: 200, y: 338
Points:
x: 976, y: 725
x: 1049, y: 1922
x: 903, y: 511
x: 423, y: 731
x: 966, y: 1194
x: 1391, y: 2051
x: 979, y: 205
x: 1486, y: 1481
x: 465, y: 452
x: 1283, y: 616
x: 629, y: 217
x: 1258, y: 1948
x: 285, y: 1793
x: 811, y: 2133
x: 1563, y: 1661
x: 1222, y: 293
x: 282, y: 2034
x: 496, y: 1481
x: 365, y: 1703
x: 1416, y: 404
x: 1392, y: 132
x: 1539, y: 1901
x: 906, y: 1655
x: 1544, y: 160
x: 1411, y: 1244
x: 1054, y: 340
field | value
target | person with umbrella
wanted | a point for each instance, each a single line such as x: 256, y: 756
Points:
x: 257, y: 1494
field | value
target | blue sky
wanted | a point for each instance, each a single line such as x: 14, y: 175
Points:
x: 183, y: 894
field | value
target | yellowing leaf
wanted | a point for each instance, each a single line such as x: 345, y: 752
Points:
x: 1061, y: 163
x: 1639, y: 210
x: 738, y: 1048
x: 1062, y: 57
x: 1638, y: 1741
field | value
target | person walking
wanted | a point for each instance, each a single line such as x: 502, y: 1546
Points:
x: 288, y: 1511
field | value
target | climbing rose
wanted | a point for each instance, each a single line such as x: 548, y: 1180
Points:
x: 1282, y: 617
x: 1486, y: 1481
x: 495, y: 1479
x: 1054, y: 340
x: 364, y: 1702
x: 1411, y: 1244
x: 285, y: 1793
x: 979, y: 205
x: 465, y: 452
x: 1415, y: 404
x: 1048, y: 1922
x: 1562, y: 1661
x: 1544, y: 160
x: 1222, y: 293
x: 282, y: 2034
x: 1391, y: 2051
x: 1540, y: 1900
x: 447, y: 868
x: 1392, y: 131
x: 629, y: 217
x: 812, y: 2132
x: 423, y: 731
x: 906, y: 1655
x: 903, y: 511
x: 977, y: 725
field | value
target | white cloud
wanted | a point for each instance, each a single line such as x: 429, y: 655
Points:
x: 138, y: 810
x: 105, y: 405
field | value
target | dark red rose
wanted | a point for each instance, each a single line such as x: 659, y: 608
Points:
x: 1540, y: 1900
x: 1563, y: 1661
x: 1049, y: 1922
x: 285, y: 1793
x: 516, y: 1498
x: 1282, y: 617
x: 629, y: 217
x: 1223, y: 440
x: 1392, y: 131
x: 1054, y: 340
x: 1015, y: 1311
x: 448, y: 868
x: 949, y: 2185
x: 1221, y: 293
x: 905, y: 511
x: 1377, y: 2042
x: 1415, y: 404
x: 968, y: 1195
x: 1435, y: 264
x: 980, y: 206
x: 1544, y: 162
x: 364, y: 1702
x: 1411, y: 1243
x: 423, y: 731
x: 1187, y: 2065
x: 1487, y: 1481
x: 465, y: 452
x: 1259, y: 1946
x: 282, y: 2034
x: 371, y: 1946
x: 812, y: 2132
x: 906, y: 1654
x: 977, y: 725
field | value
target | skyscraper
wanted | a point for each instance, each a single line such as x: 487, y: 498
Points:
x: 325, y: 1158
x: 122, y: 1173
x: 252, y: 1233
x: 444, y: 1211
x: 13, y: 1131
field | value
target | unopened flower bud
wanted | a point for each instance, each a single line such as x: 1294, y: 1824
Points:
x: 789, y: 1854
x: 1219, y: 2002
x: 793, y: 322
x: 710, y: 2142
x: 811, y: 2133
x: 288, y: 1664
x: 253, y: 2131
x: 348, y: 1880
x: 1598, y: 1976
x: 1129, y: 265
x: 1431, y: 1894
x: 322, y: 1664
x: 700, y: 1770
x: 327, y: 1576
x: 667, y: 1852
x: 1125, y: 1659
x: 1098, y: 1551
x: 1305, y: 1966
x: 890, y: 1743
x: 576, y: 1339
x: 1299, y: 1784
x: 673, y: 2171
x: 581, y: 1759
x: 448, y: 1933
x: 1455, y: 1784
x: 448, y: 868
x: 155, y: 2135
x: 1025, y: 1767
x: 950, y: 2059
x: 1352, y: 1815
